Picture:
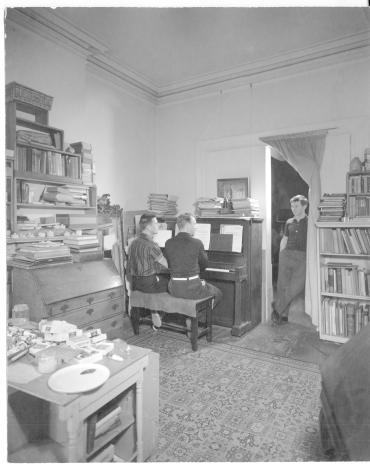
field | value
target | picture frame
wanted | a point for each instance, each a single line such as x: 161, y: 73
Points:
x: 233, y: 188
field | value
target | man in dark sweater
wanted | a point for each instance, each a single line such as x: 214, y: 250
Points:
x: 292, y: 260
x: 186, y: 258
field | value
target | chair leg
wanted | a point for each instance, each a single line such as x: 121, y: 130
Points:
x: 209, y: 323
x: 194, y: 334
x: 135, y: 319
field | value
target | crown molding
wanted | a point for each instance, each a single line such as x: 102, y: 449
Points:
x: 46, y: 23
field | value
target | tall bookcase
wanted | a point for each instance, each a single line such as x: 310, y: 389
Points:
x: 344, y: 278
x: 38, y: 165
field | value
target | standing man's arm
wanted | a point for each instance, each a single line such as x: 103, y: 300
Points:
x: 283, y: 243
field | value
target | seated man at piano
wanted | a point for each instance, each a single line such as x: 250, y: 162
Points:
x: 186, y: 259
x: 146, y: 266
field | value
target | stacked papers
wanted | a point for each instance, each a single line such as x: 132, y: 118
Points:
x: 205, y: 206
x: 332, y: 207
x: 163, y: 204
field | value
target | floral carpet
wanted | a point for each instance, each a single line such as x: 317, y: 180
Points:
x: 225, y: 403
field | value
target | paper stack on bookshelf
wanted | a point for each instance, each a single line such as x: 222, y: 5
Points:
x: 208, y: 206
x: 332, y: 207
x: 343, y: 318
x: 87, y: 164
x: 83, y: 247
x: 249, y: 207
x: 70, y: 195
x: 41, y: 254
x: 163, y: 204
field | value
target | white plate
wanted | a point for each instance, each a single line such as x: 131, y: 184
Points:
x: 78, y: 378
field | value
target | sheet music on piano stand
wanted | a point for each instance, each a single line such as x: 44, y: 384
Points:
x: 203, y: 232
x: 237, y: 233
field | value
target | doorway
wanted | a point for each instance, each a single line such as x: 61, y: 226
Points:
x: 285, y: 183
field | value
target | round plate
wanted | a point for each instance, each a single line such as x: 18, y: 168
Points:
x: 78, y: 378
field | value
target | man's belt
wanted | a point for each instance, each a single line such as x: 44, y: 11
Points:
x: 187, y: 278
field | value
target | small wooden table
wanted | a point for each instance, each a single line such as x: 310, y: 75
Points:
x: 69, y: 414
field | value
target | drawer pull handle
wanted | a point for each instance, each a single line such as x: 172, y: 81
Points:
x: 90, y: 311
x: 90, y: 300
x: 115, y: 307
x: 64, y: 308
x: 114, y: 323
x: 111, y: 295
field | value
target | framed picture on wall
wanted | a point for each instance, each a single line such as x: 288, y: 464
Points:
x: 234, y: 188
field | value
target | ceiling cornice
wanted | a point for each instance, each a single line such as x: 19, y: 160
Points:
x: 46, y: 23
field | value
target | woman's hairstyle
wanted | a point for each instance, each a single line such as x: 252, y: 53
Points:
x: 145, y: 220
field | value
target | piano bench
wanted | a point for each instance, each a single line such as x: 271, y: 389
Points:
x: 199, y: 311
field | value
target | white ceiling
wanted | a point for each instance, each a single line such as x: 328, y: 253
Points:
x: 165, y: 46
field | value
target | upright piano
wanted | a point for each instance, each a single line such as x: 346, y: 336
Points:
x: 235, y: 267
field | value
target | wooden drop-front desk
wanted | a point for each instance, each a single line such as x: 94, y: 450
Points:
x: 69, y: 414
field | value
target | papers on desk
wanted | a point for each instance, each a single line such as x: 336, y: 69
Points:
x: 162, y: 236
x: 203, y: 233
x: 237, y: 233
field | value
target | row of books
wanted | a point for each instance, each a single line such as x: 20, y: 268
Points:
x: 358, y: 206
x: 87, y: 161
x: 345, y: 278
x: 345, y: 240
x: 359, y: 184
x: 343, y: 319
x: 332, y: 207
x: 163, y: 204
x: 46, y: 162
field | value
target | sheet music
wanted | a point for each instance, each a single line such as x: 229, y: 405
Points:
x: 203, y: 232
x: 237, y: 233
x: 162, y: 236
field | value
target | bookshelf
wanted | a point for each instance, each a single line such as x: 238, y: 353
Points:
x: 45, y: 182
x: 344, y: 278
x: 358, y: 195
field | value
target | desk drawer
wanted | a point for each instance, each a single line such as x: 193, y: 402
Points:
x: 91, y: 314
x: 113, y: 326
x: 88, y: 300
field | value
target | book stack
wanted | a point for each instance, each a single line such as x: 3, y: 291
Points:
x: 29, y: 137
x: 208, y: 207
x: 332, y: 207
x: 246, y: 207
x: 163, y: 204
x: 83, y: 247
x: 41, y: 254
x: 343, y: 318
x: 70, y: 195
x: 87, y: 161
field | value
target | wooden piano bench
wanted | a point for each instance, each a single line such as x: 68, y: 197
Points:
x: 199, y: 311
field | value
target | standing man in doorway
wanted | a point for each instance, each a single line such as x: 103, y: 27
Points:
x: 292, y: 260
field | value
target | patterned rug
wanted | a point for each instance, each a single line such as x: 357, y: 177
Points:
x: 225, y: 403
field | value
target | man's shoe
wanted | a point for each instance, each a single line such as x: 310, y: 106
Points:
x: 157, y: 321
x: 284, y: 319
x: 275, y: 318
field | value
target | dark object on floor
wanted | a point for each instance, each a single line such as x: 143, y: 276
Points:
x: 345, y: 399
x: 198, y: 311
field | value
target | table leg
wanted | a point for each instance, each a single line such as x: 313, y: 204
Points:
x: 139, y: 417
x: 194, y: 333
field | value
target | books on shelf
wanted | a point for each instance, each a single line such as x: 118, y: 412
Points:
x: 343, y: 318
x: 359, y: 183
x: 346, y: 279
x: 349, y: 240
